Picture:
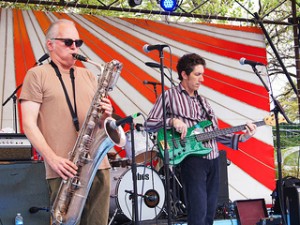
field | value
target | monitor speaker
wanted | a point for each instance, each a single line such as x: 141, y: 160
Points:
x: 292, y: 201
x: 23, y: 186
x: 250, y: 212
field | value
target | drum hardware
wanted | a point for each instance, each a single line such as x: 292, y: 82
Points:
x: 112, y: 155
x: 122, y: 162
x: 178, y: 208
x: 151, y: 197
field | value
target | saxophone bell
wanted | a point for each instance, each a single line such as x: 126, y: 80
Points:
x: 116, y: 135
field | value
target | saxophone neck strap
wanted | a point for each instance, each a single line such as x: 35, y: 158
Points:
x: 72, y: 77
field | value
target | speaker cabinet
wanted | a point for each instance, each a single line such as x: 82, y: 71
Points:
x: 223, y: 196
x: 23, y: 186
x: 292, y: 202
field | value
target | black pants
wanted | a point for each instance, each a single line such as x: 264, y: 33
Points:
x: 201, y: 186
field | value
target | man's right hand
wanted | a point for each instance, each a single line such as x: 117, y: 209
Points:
x: 180, y: 127
x: 63, y: 167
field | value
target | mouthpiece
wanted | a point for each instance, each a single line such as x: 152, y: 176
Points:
x: 79, y: 57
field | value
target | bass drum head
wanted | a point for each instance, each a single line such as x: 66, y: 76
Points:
x: 150, y: 194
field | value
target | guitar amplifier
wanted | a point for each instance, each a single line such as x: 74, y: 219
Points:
x: 14, y: 147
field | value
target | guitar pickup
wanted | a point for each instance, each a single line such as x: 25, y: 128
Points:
x: 174, y: 143
x: 183, y: 142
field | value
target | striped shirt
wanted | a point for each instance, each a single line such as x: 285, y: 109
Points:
x: 191, y: 110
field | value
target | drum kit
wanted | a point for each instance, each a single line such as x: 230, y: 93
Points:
x: 149, y: 180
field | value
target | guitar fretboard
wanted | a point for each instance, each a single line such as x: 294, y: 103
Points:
x: 213, y: 134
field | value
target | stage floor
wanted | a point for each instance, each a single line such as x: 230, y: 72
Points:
x: 177, y: 222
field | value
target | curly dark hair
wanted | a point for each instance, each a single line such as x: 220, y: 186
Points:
x: 187, y: 63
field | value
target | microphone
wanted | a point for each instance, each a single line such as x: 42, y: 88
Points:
x: 152, y: 64
x: 139, y: 127
x: 36, y: 209
x: 147, y: 48
x: 114, y: 124
x: 244, y: 61
x: 151, y: 82
x: 42, y: 59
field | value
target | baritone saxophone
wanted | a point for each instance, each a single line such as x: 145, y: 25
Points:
x: 95, y: 139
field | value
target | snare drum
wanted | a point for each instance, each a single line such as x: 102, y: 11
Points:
x: 150, y: 193
x: 144, y: 154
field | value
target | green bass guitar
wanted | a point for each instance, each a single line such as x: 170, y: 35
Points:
x: 192, y: 144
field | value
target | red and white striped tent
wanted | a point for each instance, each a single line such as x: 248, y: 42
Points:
x: 235, y: 92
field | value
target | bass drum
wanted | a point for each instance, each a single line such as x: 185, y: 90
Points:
x: 150, y: 194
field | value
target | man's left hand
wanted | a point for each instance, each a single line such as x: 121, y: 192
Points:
x: 106, y: 107
x: 250, y: 131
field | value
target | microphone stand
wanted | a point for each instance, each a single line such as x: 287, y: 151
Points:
x: 134, y: 178
x: 277, y: 109
x: 166, y: 152
x: 14, y: 97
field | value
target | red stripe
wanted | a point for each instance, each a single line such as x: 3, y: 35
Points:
x: 24, y: 57
x: 43, y: 20
x: 208, y: 43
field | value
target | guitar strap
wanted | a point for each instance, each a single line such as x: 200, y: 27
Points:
x: 208, y: 116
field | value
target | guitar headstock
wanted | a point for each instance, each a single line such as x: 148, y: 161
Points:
x: 270, y: 120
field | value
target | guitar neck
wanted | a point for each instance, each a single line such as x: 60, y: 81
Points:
x: 213, y: 134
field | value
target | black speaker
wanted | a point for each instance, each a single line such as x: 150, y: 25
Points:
x: 23, y: 186
x: 292, y: 201
x: 223, y: 196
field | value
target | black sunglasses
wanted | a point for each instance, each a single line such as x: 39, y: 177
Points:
x: 69, y: 42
